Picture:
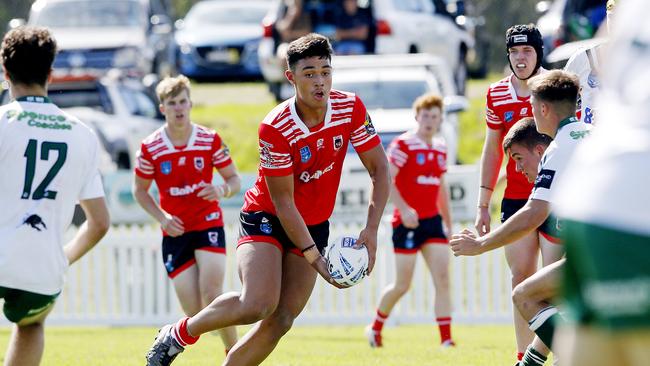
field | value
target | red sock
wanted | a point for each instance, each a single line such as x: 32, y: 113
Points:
x: 444, y: 325
x: 181, y: 334
x: 520, y: 356
x: 378, y: 324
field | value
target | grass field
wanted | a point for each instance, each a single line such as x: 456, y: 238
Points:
x: 302, y: 346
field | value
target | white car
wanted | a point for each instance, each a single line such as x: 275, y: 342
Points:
x: 388, y: 85
x: 400, y: 27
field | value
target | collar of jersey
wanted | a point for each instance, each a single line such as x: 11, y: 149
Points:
x: 34, y: 99
x: 566, y: 121
x: 303, y: 127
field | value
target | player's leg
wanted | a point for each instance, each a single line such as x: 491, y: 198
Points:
x: 522, y: 257
x: 186, y: 286
x: 436, y: 257
x: 28, y: 311
x: 551, y: 248
x: 211, y: 262
x: 298, y: 280
x: 178, y: 257
x: 532, y: 296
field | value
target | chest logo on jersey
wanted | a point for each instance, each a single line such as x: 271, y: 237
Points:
x: 305, y: 154
x: 320, y: 143
x: 166, y: 167
x: 441, y: 161
x: 265, y: 226
x: 338, y: 142
x: 508, y: 116
x: 420, y: 158
x: 198, y: 163
x: 181, y: 161
x: 523, y: 111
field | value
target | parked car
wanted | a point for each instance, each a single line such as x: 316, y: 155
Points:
x: 119, y: 109
x: 219, y: 39
x: 388, y: 85
x: 565, y: 21
x: 399, y: 27
x: 132, y: 35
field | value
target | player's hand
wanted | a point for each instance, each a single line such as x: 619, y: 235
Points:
x: 320, y: 265
x: 482, y: 223
x: 465, y: 243
x: 368, y: 237
x: 211, y: 193
x: 410, y: 218
x: 172, y: 225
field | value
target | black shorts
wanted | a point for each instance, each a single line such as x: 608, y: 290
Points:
x: 429, y: 231
x: 178, y: 252
x: 509, y: 207
x: 263, y: 227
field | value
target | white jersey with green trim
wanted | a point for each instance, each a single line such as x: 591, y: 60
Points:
x: 607, y: 181
x: 49, y: 161
x: 586, y: 64
x: 556, y: 157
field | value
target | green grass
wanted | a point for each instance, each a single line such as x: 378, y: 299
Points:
x: 302, y: 346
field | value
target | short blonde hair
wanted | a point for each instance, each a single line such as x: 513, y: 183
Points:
x: 427, y: 101
x: 172, y: 86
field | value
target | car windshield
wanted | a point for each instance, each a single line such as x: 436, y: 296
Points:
x: 394, y: 94
x: 225, y: 14
x: 69, y: 14
x: 90, y: 96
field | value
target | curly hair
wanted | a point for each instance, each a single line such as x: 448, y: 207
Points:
x: 27, y: 53
x: 311, y: 45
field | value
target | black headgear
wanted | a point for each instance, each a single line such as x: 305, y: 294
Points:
x: 525, y: 34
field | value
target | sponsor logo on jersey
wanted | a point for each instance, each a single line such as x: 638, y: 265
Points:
x: 198, y: 163
x: 367, y: 124
x: 306, y: 177
x: 592, y: 81
x: 508, y: 116
x: 213, y: 236
x: 523, y: 111
x: 212, y: 216
x: 166, y: 167
x: 544, y: 178
x: 420, y: 159
x: 35, y: 221
x: 428, y: 180
x: 181, y: 161
x: 577, y: 135
x: 320, y: 143
x: 40, y: 120
x: 338, y: 142
x: 305, y: 154
x: 265, y: 226
x: 188, y: 189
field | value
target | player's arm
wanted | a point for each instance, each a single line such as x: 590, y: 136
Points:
x: 171, y: 224
x: 529, y: 218
x: 377, y: 165
x: 91, y: 231
x: 491, y: 159
x: 231, y: 185
x: 443, y: 204
x: 281, y: 192
x: 408, y: 214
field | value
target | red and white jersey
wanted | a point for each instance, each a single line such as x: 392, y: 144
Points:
x: 181, y: 172
x: 314, y: 156
x: 503, y: 109
x: 421, y: 166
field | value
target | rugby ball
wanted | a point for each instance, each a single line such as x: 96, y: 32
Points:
x: 346, y: 264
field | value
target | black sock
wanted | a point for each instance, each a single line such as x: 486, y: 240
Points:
x: 543, y: 324
x: 532, y: 358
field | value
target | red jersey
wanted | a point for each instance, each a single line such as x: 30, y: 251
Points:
x: 181, y: 172
x: 314, y: 156
x: 503, y: 109
x: 420, y: 168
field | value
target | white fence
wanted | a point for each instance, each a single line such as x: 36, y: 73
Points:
x: 123, y: 282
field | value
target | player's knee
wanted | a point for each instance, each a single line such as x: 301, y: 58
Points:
x: 520, y: 297
x: 518, y: 276
x: 401, y: 288
x: 282, y: 323
x: 257, y: 310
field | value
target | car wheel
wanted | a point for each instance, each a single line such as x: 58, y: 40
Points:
x: 413, y: 49
x: 460, y: 75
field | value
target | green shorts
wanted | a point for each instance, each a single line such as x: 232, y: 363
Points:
x: 21, y: 304
x: 607, y: 277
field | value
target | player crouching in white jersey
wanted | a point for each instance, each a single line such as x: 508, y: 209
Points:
x: 554, y: 95
x: 51, y: 161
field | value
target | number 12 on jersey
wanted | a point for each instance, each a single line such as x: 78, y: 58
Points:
x: 30, y: 168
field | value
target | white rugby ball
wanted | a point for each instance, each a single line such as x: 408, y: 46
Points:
x: 346, y: 264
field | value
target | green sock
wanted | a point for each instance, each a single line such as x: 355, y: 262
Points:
x: 532, y: 358
x: 543, y: 324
